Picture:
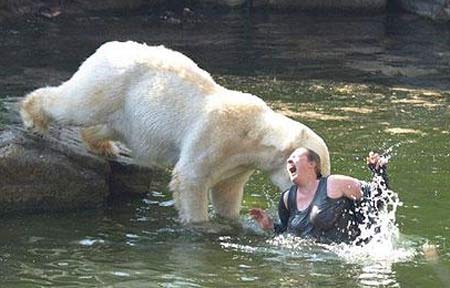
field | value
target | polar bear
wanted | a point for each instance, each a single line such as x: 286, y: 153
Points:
x: 169, y: 111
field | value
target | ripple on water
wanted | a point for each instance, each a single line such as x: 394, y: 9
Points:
x: 371, y: 264
x: 91, y: 242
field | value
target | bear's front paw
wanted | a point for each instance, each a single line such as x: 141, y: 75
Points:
x: 39, y: 127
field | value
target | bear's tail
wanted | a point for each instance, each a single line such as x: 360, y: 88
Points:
x: 33, y: 109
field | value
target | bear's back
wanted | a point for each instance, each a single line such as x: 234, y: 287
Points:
x: 126, y: 56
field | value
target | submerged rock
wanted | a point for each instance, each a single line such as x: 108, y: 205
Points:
x: 55, y: 172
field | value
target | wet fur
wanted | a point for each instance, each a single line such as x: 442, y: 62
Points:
x: 169, y: 111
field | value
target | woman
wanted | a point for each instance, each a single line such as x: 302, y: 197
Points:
x: 323, y: 208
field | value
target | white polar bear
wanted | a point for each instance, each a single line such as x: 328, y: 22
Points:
x: 169, y: 111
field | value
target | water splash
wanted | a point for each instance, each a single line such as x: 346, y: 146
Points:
x: 379, y: 230
x: 380, y: 239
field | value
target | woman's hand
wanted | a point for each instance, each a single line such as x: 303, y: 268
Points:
x: 378, y: 165
x: 375, y: 162
x: 262, y: 218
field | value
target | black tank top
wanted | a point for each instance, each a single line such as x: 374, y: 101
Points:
x: 325, y: 219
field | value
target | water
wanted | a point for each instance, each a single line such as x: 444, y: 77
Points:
x: 364, y: 83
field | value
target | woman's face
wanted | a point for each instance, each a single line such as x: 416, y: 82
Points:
x: 298, y: 163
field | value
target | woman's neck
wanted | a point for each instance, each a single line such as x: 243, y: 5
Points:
x: 307, y: 187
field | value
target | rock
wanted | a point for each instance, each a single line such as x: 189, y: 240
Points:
x: 355, y: 5
x: 127, y: 179
x: 289, y: 5
x: 51, y: 9
x: 35, y: 178
x: 55, y: 172
x: 224, y: 3
x: 188, y: 12
x: 105, y: 5
x: 434, y: 9
x: 49, y: 13
x: 170, y: 17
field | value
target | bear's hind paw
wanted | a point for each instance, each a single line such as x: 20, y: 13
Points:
x: 104, y: 148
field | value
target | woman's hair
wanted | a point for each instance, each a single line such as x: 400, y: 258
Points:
x: 314, y: 157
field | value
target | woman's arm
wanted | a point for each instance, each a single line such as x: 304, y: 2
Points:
x: 283, y: 214
x: 262, y: 218
x: 378, y: 165
x: 352, y: 188
x: 344, y: 186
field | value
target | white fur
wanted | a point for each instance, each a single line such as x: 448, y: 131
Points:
x: 172, y: 113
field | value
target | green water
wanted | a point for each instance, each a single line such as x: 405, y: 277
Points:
x: 363, y: 83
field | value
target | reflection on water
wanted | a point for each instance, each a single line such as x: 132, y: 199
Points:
x: 363, y: 83
x: 378, y: 275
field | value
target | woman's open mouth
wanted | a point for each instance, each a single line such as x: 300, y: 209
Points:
x: 292, y: 169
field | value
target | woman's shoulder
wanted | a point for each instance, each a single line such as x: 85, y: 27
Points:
x: 288, y: 193
x: 338, y: 178
x: 337, y: 184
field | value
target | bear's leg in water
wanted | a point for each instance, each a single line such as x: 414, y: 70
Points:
x: 226, y: 196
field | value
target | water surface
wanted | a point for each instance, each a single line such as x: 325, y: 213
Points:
x: 372, y: 82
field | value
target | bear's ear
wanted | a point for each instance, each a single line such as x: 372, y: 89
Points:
x: 287, y: 151
x: 297, y: 139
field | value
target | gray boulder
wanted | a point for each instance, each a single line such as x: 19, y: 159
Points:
x: 434, y: 9
x: 356, y: 5
x: 34, y: 177
x: 50, y: 9
x: 55, y: 172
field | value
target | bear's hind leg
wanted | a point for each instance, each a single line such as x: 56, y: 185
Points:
x: 226, y: 196
x: 98, y: 140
